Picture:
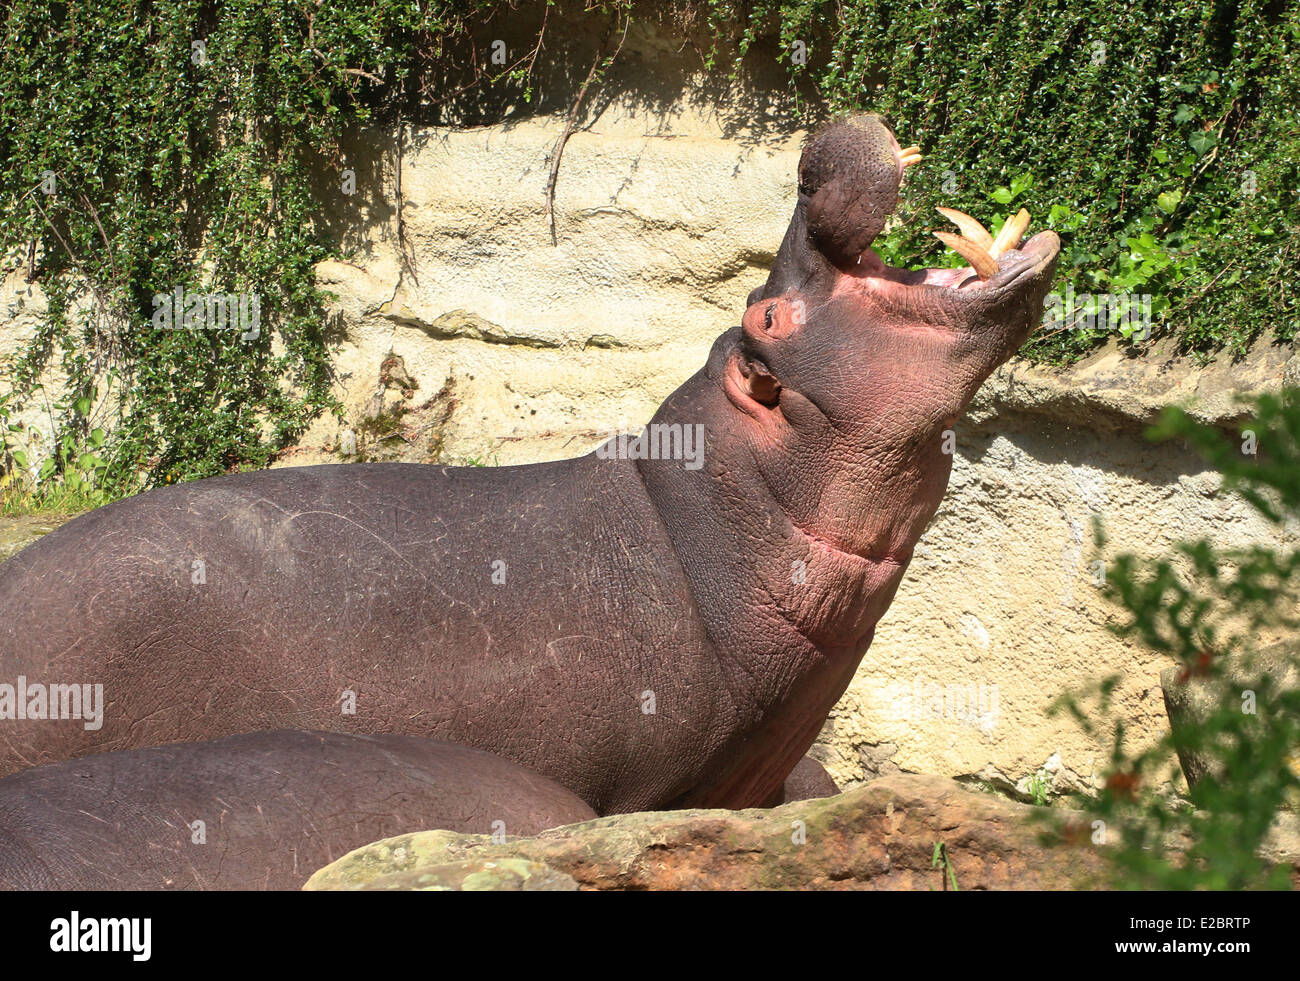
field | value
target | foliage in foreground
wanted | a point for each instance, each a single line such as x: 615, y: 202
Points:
x: 1205, y: 608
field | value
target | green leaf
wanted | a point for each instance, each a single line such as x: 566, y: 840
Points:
x: 1202, y: 143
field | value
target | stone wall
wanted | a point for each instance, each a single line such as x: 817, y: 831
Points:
x: 672, y: 196
x: 464, y: 335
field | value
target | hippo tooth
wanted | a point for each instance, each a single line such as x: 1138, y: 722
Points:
x: 978, y: 256
x: 1010, y: 234
x: 970, y: 228
x: 911, y: 155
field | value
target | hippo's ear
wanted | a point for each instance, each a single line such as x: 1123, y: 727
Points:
x: 766, y: 322
x: 759, y: 383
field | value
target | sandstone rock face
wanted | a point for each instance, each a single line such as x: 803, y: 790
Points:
x: 673, y: 194
x: 18, y: 532
x: 663, y: 230
x: 881, y: 836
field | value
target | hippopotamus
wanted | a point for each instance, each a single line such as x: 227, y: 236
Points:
x: 263, y: 810
x: 648, y: 632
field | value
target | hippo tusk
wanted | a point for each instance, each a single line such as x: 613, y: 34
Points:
x: 1010, y: 234
x: 978, y: 256
x: 970, y: 228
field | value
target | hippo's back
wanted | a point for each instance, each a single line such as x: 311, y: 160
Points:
x: 257, y: 811
x: 492, y: 607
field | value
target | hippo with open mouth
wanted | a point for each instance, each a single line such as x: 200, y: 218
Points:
x: 644, y: 633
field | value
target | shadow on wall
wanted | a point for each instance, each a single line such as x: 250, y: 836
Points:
x: 660, y: 66
x: 1052, y: 443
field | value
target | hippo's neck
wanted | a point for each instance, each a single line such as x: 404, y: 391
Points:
x: 789, y: 613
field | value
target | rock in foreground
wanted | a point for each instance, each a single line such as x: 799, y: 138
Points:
x: 880, y: 836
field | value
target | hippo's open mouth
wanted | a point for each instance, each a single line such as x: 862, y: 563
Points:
x: 989, y: 269
x: 995, y: 261
x: 849, y: 178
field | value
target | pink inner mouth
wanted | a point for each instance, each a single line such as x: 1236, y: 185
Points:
x: 870, y: 265
x: 1012, y: 265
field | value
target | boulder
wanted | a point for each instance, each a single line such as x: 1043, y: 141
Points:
x: 894, y: 833
x: 476, y: 875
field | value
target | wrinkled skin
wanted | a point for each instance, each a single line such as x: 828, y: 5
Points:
x: 275, y: 807
x: 625, y: 581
